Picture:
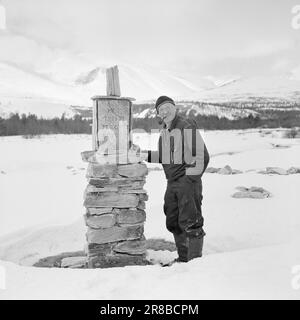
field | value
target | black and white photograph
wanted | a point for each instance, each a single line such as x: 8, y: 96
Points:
x: 149, y: 150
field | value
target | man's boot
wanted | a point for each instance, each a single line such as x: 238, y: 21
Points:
x: 182, y: 246
x: 188, y: 247
x: 195, y: 246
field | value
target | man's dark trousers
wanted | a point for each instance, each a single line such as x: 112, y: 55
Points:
x: 182, y: 207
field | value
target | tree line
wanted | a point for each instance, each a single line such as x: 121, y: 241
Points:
x: 266, y: 119
x: 31, y: 125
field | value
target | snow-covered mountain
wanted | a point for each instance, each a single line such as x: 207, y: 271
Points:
x: 26, y: 92
x: 249, y: 88
x: 52, y: 90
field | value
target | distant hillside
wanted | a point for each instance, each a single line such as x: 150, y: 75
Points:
x: 229, y: 110
x: 67, y: 87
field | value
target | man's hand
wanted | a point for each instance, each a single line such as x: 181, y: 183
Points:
x: 137, y: 152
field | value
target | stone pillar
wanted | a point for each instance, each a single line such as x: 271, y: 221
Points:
x: 114, y: 198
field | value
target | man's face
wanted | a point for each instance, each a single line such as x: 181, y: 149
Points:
x: 167, y: 112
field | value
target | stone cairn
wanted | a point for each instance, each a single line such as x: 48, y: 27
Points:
x: 114, y: 198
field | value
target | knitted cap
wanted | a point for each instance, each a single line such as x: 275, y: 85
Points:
x: 163, y: 99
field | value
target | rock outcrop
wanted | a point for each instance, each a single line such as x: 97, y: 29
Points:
x: 280, y: 171
x: 252, y: 193
x: 227, y: 170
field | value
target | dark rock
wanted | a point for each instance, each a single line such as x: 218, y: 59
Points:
x: 117, y: 260
x: 141, y: 205
x: 132, y: 247
x: 225, y: 170
x: 55, y: 261
x: 74, y: 262
x: 88, y: 156
x: 248, y: 194
x: 100, y: 249
x: 293, y: 170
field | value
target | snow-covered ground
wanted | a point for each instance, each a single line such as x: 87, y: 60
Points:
x: 251, y: 249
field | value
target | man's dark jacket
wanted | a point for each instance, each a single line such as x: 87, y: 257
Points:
x: 180, y: 149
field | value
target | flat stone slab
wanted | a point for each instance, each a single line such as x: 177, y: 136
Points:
x: 121, y: 183
x: 114, y: 234
x: 127, y: 158
x: 280, y: 146
x: 112, y: 199
x: 130, y: 216
x: 102, y: 221
x: 227, y: 170
x: 117, y: 260
x: 280, y: 171
x: 112, y: 98
x: 252, y: 193
x: 93, y: 189
x: 74, y: 262
x: 132, y: 170
x: 135, y: 191
x: 99, y: 211
x: 133, y: 247
x: 95, y: 158
x: 276, y: 170
x: 101, y: 171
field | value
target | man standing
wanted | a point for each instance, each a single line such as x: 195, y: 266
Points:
x: 184, y: 157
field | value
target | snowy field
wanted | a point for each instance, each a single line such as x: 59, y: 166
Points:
x: 251, y: 250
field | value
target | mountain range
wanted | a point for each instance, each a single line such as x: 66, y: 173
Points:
x: 67, y: 86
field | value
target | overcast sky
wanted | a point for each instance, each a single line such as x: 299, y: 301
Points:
x: 211, y: 37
